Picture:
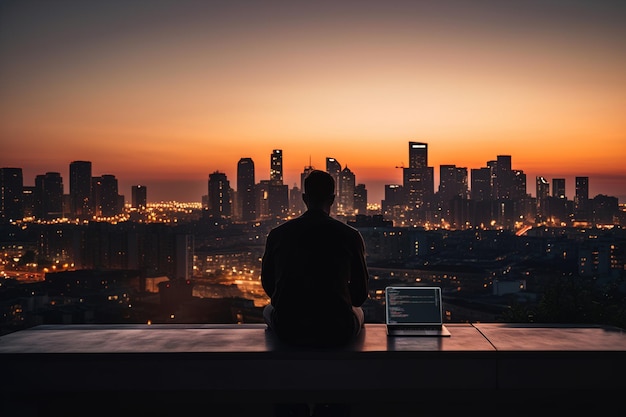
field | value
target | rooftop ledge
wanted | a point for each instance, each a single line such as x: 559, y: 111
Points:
x: 480, y: 365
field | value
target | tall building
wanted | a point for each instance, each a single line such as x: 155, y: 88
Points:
x: 581, y: 198
x: 558, y: 188
x: 543, y: 192
x: 11, y: 194
x: 360, y: 199
x: 418, y: 178
x: 504, y: 177
x: 28, y: 200
x: 80, y: 189
x: 418, y: 155
x: 481, y: 184
x: 219, y: 195
x: 246, y: 196
x: 262, y: 199
x: 278, y: 200
x: 452, y: 182
x: 139, y: 197
x: 276, y: 166
x: 49, y: 196
x: 333, y: 167
x: 278, y: 193
x: 347, y: 183
x: 109, y: 197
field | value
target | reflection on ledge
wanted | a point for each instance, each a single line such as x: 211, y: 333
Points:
x: 148, y: 369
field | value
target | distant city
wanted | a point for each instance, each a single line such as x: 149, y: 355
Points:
x: 495, y: 196
x: 498, y: 253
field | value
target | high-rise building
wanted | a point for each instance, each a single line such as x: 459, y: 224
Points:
x: 347, y: 183
x: 262, y: 199
x: 139, y: 197
x: 558, y: 188
x: 360, y: 199
x: 518, y: 187
x: 504, y: 177
x: 219, y: 195
x: 246, y: 196
x: 581, y: 198
x: 49, y: 196
x: 333, y: 167
x: 543, y: 192
x: 481, y: 184
x: 418, y: 178
x: 418, y: 155
x: 109, y: 198
x: 452, y: 182
x: 80, y: 189
x: 278, y: 193
x: 276, y: 166
x: 28, y: 200
x: 278, y: 200
x: 11, y: 194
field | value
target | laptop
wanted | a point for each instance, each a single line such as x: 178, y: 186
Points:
x: 414, y: 311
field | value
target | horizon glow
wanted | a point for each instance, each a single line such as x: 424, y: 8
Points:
x: 163, y: 94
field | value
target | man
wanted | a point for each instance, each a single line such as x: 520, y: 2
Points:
x: 315, y: 273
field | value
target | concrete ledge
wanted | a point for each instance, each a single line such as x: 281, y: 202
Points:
x: 493, y: 363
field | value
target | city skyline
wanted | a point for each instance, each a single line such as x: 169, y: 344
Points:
x: 164, y: 93
x: 568, y: 184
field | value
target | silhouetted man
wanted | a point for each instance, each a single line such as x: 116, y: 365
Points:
x: 315, y: 273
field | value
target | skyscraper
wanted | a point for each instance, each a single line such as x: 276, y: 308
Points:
x: 49, y: 196
x: 581, y: 198
x: 543, y: 192
x: 246, y: 189
x: 452, y: 182
x: 418, y: 178
x: 11, y: 192
x: 360, y: 199
x: 219, y: 195
x: 347, y: 183
x: 503, y: 178
x: 80, y: 189
x: 109, y: 200
x: 139, y: 196
x: 418, y: 155
x: 278, y: 193
x: 558, y: 188
x: 333, y: 167
x: 481, y: 184
x: 276, y: 166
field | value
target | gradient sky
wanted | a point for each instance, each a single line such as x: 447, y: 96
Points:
x: 163, y: 93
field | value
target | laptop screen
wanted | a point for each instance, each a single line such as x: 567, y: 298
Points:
x: 413, y: 305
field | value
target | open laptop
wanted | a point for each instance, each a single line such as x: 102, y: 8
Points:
x: 414, y: 311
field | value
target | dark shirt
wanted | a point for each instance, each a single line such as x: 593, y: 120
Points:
x: 314, y: 271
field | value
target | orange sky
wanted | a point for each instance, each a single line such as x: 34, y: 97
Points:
x: 164, y: 93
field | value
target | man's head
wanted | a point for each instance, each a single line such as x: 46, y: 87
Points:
x: 319, y: 190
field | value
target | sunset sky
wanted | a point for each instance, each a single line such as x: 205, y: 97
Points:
x: 163, y: 93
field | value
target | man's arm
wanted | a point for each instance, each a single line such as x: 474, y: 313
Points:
x: 267, y: 268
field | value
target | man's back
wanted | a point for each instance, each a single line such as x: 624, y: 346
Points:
x: 314, y: 270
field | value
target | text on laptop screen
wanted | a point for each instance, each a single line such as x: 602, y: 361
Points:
x: 413, y: 305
